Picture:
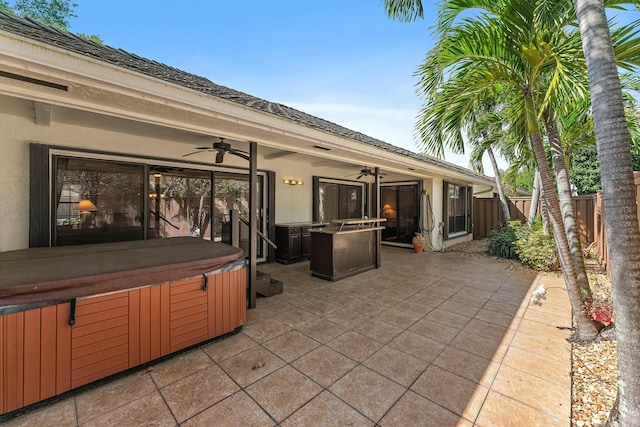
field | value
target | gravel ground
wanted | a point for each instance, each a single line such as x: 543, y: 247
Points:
x: 593, y: 365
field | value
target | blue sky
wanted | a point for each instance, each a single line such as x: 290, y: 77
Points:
x: 344, y: 61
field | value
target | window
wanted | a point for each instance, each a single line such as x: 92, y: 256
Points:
x: 179, y: 203
x: 335, y: 199
x: 97, y: 201
x: 457, y: 209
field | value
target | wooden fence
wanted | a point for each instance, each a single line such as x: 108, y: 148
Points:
x: 487, y: 216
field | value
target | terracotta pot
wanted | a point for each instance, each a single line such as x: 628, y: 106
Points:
x: 418, y: 242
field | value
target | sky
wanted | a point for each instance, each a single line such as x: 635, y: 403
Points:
x: 341, y: 60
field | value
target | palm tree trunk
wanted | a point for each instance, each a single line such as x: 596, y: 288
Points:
x: 586, y: 328
x: 566, y: 204
x: 503, y: 199
x: 618, y: 199
x: 535, y: 197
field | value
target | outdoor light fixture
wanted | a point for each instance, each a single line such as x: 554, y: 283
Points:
x: 86, y: 206
x: 289, y: 181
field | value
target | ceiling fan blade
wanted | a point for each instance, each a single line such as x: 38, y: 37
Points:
x: 189, y: 154
x: 239, y: 153
x: 360, y: 176
x: 219, y: 156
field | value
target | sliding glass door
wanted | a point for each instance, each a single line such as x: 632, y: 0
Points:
x: 400, y: 205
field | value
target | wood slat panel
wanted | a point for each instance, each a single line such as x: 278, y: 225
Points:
x: 94, y: 328
x: 101, y: 346
x: 101, y: 303
x: 186, y: 305
x: 91, y: 375
x: 233, y: 306
x: 165, y: 321
x: 48, y: 352
x: 85, y: 323
x: 242, y: 297
x: 186, y: 340
x: 134, y: 328
x: 31, y: 376
x: 3, y: 346
x: 92, y: 343
x: 156, y: 329
x: 218, y: 305
x: 63, y: 348
x: 100, y: 360
x: 199, y: 316
x: 226, y: 302
x: 185, y: 286
x: 145, y: 325
x: 14, y: 356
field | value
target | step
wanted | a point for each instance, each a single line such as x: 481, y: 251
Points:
x: 267, y: 286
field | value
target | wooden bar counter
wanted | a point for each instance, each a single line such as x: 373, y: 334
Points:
x: 74, y: 314
x: 347, y: 248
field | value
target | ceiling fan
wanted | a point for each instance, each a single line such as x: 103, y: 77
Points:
x: 367, y: 171
x: 221, y: 148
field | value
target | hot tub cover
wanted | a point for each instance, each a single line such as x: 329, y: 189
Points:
x: 40, y: 275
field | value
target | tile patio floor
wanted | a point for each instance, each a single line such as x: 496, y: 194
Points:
x: 429, y: 339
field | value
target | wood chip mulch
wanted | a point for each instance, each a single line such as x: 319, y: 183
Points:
x: 593, y: 365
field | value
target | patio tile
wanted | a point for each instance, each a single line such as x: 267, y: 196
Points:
x: 236, y: 410
x: 456, y: 307
x: 418, y: 346
x: 319, y: 308
x: 265, y: 330
x: 482, y: 346
x: 396, y: 365
x: 467, y: 365
x: 539, y: 365
x: 179, y: 367
x: 436, y: 331
x: 291, y: 345
x: 368, y: 392
x: 459, y: 395
x: 326, y: 410
x: 489, y: 330
x: 378, y: 330
x: 324, y: 365
x: 534, y: 391
x: 283, y: 392
x: 251, y: 365
x: 504, y: 308
x: 399, y: 317
x: 59, y: 414
x: 229, y: 346
x: 500, y: 410
x: 552, y: 319
x: 295, y: 317
x: 354, y: 345
x: 365, y: 306
x: 555, y: 349
x: 469, y: 296
x: 98, y: 401
x: 414, y: 410
x: 322, y: 330
x: 448, y: 318
x: 540, y: 329
x: 346, y: 318
x: 147, y: 410
x: 508, y: 299
x: 197, y: 392
x: 500, y: 319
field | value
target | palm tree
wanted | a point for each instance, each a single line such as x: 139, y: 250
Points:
x: 506, y: 48
x: 619, y: 202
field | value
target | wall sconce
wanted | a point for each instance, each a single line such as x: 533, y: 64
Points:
x: 289, y: 181
x: 86, y: 206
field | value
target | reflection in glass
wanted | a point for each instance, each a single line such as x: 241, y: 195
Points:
x: 113, y: 190
x: 179, y: 203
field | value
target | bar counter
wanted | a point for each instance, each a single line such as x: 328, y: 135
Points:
x: 347, y: 248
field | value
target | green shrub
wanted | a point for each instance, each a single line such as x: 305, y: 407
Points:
x: 533, y: 247
x: 502, y: 243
